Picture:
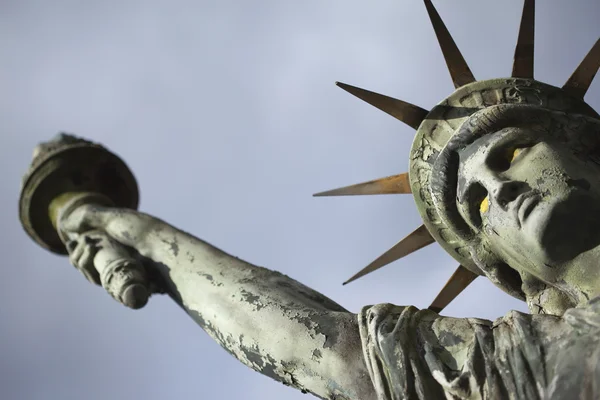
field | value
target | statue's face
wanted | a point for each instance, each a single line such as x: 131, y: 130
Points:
x: 536, y: 203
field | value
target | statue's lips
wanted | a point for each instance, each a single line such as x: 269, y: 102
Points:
x: 525, y: 204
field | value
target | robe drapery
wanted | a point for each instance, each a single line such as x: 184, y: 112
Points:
x: 418, y: 354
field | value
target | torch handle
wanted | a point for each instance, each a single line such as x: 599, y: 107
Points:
x: 121, y: 275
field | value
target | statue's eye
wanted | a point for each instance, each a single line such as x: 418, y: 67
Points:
x: 501, y: 160
x: 475, y: 196
x: 515, y: 153
x: 485, y: 205
x: 511, y: 156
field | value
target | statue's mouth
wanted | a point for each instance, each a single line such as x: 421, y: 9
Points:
x: 524, y: 205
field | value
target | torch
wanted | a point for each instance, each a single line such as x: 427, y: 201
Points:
x: 66, y: 173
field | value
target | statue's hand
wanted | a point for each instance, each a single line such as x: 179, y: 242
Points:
x: 82, y: 250
x: 105, y: 259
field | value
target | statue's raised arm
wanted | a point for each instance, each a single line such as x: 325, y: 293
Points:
x: 267, y: 320
x: 505, y: 174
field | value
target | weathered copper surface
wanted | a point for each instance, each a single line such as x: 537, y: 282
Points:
x: 435, y: 132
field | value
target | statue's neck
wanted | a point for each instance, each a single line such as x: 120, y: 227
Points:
x: 580, y: 277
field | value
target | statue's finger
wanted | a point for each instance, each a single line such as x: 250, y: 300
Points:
x: 86, y: 264
x: 76, y: 251
x: 126, y: 226
x: 84, y: 218
x: 86, y: 258
x: 71, y: 245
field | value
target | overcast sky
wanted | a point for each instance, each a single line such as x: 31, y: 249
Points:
x: 228, y: 115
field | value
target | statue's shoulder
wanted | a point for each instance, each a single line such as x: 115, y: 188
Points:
x: 399, y: 329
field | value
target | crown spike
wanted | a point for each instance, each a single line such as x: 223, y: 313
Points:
x: 408, y: 113
x: 413, y: 242
x: 396, y: 184
x: 523, y: 61
x: 582, y: 77
x: 459, y: 70
x: 460, y: 279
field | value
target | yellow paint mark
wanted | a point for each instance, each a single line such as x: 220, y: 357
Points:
x: 485, y: 205
x: 515, y: 154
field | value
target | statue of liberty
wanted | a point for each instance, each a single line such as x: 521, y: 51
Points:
x: 506, y: 176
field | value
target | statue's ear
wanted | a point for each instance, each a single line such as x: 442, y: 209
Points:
x: 543, y: 298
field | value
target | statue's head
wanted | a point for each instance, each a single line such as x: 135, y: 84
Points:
x: 523, y: 182
x: 512, y: 190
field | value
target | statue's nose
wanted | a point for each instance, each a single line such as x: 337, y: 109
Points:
x: 504, y: 192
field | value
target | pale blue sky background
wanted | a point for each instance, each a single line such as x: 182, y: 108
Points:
x: 228, y: 115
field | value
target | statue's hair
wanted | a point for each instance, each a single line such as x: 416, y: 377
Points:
x: 580, y: 133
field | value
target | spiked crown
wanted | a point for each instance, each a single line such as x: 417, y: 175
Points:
x: 435, y: 128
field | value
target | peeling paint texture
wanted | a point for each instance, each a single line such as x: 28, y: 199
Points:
x: 265, y: 319
x: 415, y: 354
